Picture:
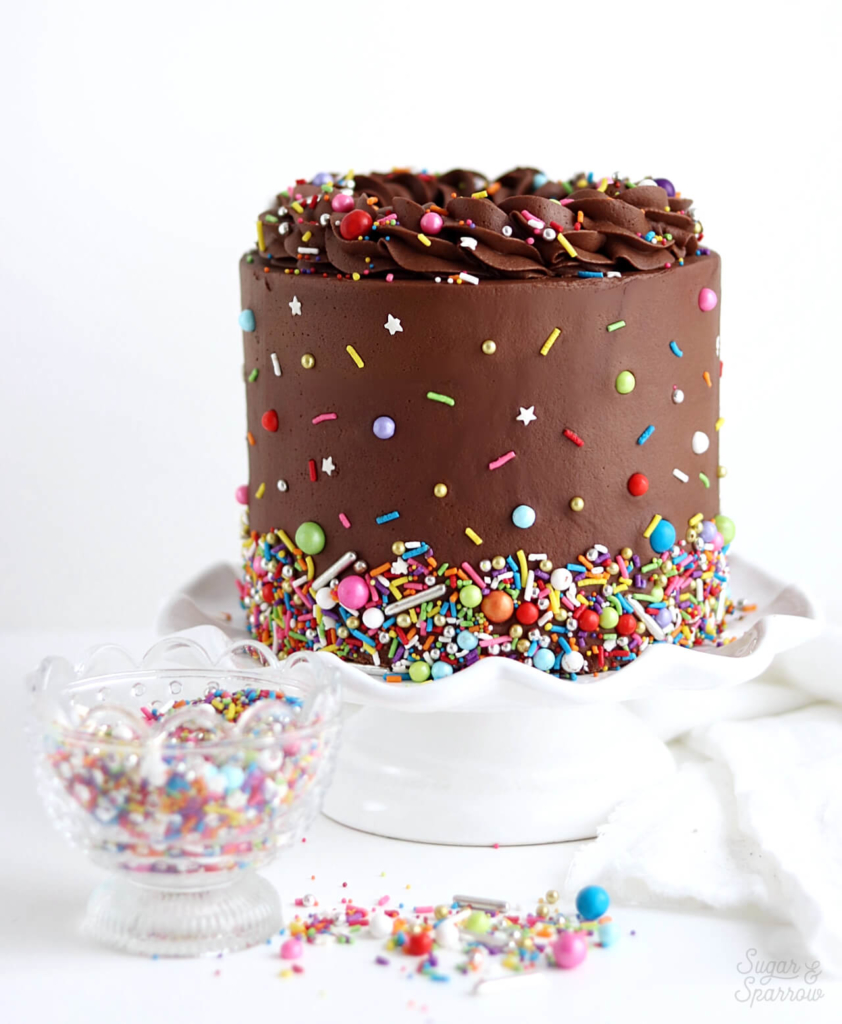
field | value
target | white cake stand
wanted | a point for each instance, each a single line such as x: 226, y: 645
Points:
x: 501, y: 752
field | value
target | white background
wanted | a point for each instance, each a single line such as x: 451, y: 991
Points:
x: 142, y: 139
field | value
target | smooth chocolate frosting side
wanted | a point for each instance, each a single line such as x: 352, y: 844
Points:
x: 438, y: 350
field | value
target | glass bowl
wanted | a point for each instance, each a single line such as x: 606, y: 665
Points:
x: 182, y: 775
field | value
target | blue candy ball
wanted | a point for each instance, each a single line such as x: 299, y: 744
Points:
x: 592, y: 902
x: 246, y: 320
x: 543, y: 659
x: 523, y: 516
x: 466, y: 640
x: 539, y: 180
x: 609, y: 933
x: 663, y: 537
x: 442, y: 669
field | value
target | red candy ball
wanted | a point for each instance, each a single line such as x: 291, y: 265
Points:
x: 354, y: 224
x: 638, y: 484
x: 627, y: 625
x: 268, y: 594
x: 419, y: 944
x: 527, y: 613
x: 497, y: 606
x: 589, y: 620
x: 269, y: 421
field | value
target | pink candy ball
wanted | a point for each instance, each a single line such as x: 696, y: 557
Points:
x: 431, y: 223
x: 292, y: 949
x: 707, y: 299
x: 718, y: 541
x: 242, y: 494
x: 353, y: 592
x: 342, y: 203
x: 570, y: 949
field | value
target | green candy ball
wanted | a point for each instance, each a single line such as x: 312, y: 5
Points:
x: 477, y: 922
x: 609, y: 618
x: 625, y: 382
x: 310, y: 537
x: 657, y: 593
x: 419, y: 671
x: 726, y: 528
x: 470, y: 596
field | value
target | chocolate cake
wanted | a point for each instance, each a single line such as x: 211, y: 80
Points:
x: 482, y: 420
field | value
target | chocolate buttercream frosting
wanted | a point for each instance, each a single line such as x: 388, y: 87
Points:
x: 521, y: 225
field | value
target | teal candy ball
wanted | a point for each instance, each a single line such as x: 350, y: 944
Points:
x: 543, y: 659
x: 663, y: 537
x: 310, y: 537
x: 523, y: 516
x: 592, y: 902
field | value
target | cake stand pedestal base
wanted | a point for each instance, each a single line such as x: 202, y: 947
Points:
x: 163, y: 920
x: 530, y: 775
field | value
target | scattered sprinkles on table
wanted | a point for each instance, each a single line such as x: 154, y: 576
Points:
x: 441, y: 574
x: 486, y: 941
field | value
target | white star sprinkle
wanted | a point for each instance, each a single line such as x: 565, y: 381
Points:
x: 295, y: 306
x: 527, y: 415
x: 328, y: 466
x: 392, y: 325
x: 399, y: 567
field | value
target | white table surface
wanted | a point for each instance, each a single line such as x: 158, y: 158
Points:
x: 680, y: 965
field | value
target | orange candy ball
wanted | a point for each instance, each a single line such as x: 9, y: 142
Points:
x: 497, y: 606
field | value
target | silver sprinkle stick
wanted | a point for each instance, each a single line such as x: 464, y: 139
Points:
x: 505, y: 980
x: 439, y: 590
x: 342, y: 563
x: 481, y: 903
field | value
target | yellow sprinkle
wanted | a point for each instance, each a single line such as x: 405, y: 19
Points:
x: 474, y: 537
x: 479, y: 195
x: 720, y: 423
x: 566, y: 245
x: 400, y: 582
x: 306, y: 236
x: 697, y: 518
x: 352, y: 352
x: 548, y: 344
x: 261, y: 243
x: 286, y: 540
x: 297, y: 207
x: 423, y: 239
x: 310, y: 572
x: 686, y: 631
x: 554, y: 602
x: 261, y: 490
x: 521, y: 557
x: 651, y: 527
x: 603, y: 185
x: 413, y: 616
x: 355, y: 276
x: 395, y: 592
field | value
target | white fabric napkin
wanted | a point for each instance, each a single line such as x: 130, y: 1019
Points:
x: 753, y: 817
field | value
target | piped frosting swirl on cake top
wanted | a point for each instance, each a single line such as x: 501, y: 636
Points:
x: 521, y: 225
